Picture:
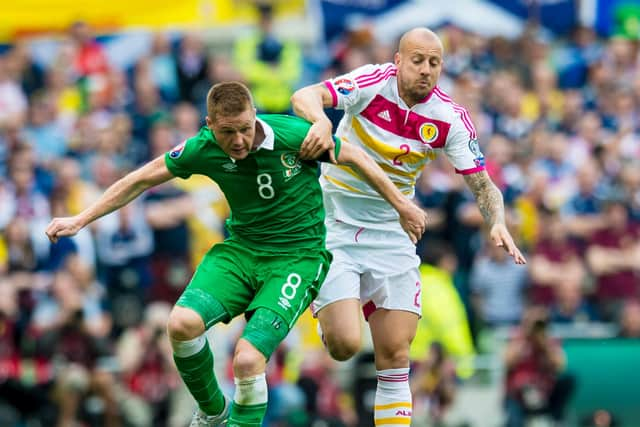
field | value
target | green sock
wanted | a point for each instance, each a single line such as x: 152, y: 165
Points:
x: 198, y: 375
x: 247, y: 415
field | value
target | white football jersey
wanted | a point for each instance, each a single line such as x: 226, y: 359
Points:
x: 400, y: 139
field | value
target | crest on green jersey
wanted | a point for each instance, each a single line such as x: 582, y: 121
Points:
x: 289, y: 159
x: 291, y: 162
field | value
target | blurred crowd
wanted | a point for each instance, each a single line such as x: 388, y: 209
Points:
x: 82, y: 338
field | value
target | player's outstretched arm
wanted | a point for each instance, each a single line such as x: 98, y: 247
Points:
x: 309, y: 103
x: 412, y: 218
x: 117, y: 195
x: 491, y: 205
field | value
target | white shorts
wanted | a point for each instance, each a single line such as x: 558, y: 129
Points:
x: 378, y: 267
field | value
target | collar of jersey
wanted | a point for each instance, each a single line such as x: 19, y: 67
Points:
x: 269, y: 137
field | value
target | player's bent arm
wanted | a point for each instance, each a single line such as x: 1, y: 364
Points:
x: 488, y: 197
x: 309, y: 102
x: 127, y: 188
x: 117, y: 195
x: 412, y: 218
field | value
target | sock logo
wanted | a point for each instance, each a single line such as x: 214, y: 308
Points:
x: 403, y: 412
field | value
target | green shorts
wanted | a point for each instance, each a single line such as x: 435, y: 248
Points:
x: 243, y: 279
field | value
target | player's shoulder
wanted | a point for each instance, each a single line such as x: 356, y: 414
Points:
x: 373, y: 69
x: 194, y: 144
x: 286, y: 126
x: 288, y: 131
x: 282, y: 121
x: 204, y: 136
x: 371, y: 74
x: 443, y: 107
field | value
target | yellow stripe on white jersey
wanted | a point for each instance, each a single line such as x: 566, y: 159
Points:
x: 384, y: 167
x: 386, y: 151
x: 342, y: 184
x: 393, y: 421
x: 390, y: 169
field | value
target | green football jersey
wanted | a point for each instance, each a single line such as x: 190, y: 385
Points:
x: 275, y: 198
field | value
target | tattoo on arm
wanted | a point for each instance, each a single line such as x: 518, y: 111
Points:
x: 488, y: 197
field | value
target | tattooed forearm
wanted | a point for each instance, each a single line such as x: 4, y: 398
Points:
x: 488, y: 197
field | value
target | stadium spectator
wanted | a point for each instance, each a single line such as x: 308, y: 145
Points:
x: 534, y: 362
x: 151, y: 384
x: 629, y: 320
x: 555, y: 259
x: 72, y: 325
x: 13, y: 109
x: 270, y: 66
x: 434, y: 386
x: 613, y: 255
x: 498, y: 287
x: 450, y: 328
x: 193, y: 64
x: 167, y: 209
x: 26, y: 373
x: 570, y: 305
x: 163, y: 69
x: 582, y: 212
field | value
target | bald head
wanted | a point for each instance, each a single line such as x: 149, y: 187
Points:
x: 419, y: 62
x: 419, y: 36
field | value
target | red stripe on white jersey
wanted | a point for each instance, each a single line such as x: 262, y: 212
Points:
x: 464, y: 114
x: 372, y: 75
x: 385, y: 76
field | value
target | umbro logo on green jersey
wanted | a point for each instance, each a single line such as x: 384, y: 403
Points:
x: 230, y: 167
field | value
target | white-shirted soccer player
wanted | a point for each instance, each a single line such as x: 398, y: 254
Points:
x: 403, y: 120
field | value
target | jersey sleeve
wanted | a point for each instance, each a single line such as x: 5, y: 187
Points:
x: 353, y: 91
x: 461, y: 147
x: 182, y: 160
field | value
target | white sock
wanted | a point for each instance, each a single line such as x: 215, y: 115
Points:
x: 393, y: 398
x: 251, y: 391
x: 188, y: 348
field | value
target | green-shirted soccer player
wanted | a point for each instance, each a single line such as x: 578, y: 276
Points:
x: 274, y: 260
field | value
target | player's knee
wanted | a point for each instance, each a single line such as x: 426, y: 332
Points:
x: 344, y: 346
x: 184, y: 324
x: 248, y: 360
x: 393, y: 356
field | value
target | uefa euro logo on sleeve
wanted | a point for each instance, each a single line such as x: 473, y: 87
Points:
x: 344, y: 86
x: 177, y: 150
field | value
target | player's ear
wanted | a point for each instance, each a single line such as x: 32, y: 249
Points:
x: 396, y: 58
x: 208, y: 121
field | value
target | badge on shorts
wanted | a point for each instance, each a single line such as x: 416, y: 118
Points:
x: 428, y: 132
x: 344, y: 86
x: 177, y: 150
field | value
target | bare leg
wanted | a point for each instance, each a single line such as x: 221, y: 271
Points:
x: 341, y: 326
